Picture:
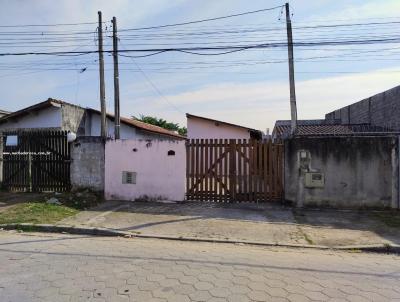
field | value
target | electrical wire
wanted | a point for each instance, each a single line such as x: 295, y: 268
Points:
x: 202, y: 20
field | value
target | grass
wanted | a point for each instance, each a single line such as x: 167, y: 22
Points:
x: 36, y: 213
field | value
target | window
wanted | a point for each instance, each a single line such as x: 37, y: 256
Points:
x: 171, y: 153
x: 11, y: 140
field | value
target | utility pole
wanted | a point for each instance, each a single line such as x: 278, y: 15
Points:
x: 117, y: 119
x: 293, y: 107
x: 102, y: 87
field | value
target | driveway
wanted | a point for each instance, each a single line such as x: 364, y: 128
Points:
x: 258, y: 223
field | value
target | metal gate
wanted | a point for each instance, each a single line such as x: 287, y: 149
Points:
x: 234, y: 170
x: 36, y: 161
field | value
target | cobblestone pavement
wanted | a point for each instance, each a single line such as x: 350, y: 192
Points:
x: 57, y: 267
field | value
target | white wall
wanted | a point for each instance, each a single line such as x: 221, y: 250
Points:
x: 126, y: 132
x: 159, y: 176
x: 46, y: 118
x: 199, y: 128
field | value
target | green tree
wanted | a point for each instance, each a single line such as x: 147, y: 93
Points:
x: 160, y: 122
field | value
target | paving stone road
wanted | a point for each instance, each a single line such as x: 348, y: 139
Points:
x: 58, y: 267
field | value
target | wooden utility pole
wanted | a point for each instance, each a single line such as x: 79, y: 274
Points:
x: 293, y: 107
x: 102, y: 87
x: 117, y: 118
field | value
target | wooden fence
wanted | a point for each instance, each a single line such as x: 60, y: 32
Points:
x: 234, y: 170
x: 36, y: 161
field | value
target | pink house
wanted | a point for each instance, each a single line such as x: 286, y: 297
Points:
x: 202, y: 127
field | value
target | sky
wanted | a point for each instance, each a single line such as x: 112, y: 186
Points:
x: 248, y: 87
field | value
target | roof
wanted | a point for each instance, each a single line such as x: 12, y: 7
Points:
x: 48, y: 103
x: 4, y: 112
x: 58, y: 103
x: 221, y: 122
x: 141, y: 125
x: 282, y: 129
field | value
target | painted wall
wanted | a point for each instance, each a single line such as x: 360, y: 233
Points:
x: 87, y: 165
x: 199, y: 128
x: 126, y: 132
x: 47, y: 118
x: 359, y: 171
x: 93, y: 128
x: 159, y: 176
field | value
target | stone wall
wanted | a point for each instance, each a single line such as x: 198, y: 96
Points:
x: 381, y: 110
x: 87, y: 166
x: 358, y: 171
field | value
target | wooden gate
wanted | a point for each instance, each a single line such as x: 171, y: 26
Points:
x: 234, y: 170
x: 36, y: 161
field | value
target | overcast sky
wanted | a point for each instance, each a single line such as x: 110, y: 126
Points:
x: 248, y: 87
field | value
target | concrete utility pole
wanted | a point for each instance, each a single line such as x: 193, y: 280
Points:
x: 117, y: 118
x: 293, y: 107
x: 102, y: 87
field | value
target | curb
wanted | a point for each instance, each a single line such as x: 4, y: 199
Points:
x: 50, y: 228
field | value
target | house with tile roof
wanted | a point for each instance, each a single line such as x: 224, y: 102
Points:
x: 55, y: 114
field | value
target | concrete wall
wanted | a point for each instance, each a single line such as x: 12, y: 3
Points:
x: 159, y: 175
x: 359, y: 171
x: 381, y: 110
x: 87, y: 166
x: 73, y: 119
x: 199, y: 128
x: 47, y: 118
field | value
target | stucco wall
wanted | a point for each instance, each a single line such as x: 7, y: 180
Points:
x: 159, y: 176
x: 47, y: 118
x: 73, y: 119
x: 359, y: 171
x: 87, y: 166
x: 199, y: 128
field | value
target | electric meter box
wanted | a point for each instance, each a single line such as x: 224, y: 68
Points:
x: 314, y: 180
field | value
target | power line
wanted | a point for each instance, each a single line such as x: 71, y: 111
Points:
x: 48, y: 25
x: 202, y: 20
x: 226, y: 48
x: 155, y: 87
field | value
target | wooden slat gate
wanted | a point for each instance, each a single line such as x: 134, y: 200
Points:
x: 233, y: 170
x: 36, y: 161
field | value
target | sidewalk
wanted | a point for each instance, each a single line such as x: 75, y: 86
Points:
x: 254, y: 223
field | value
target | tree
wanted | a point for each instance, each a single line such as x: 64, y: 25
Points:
x: 160, y: 122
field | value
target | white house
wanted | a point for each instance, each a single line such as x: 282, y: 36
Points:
x: 202, y: 127
x: 59, y: 115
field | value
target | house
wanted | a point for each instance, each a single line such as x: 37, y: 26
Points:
x: 199, y: 127
x: 54, y: 114
x: 3, y: 113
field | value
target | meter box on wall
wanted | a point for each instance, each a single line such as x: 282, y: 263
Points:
x: 314, y: 180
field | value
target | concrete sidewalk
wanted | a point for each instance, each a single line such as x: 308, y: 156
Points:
x: 257, y: 223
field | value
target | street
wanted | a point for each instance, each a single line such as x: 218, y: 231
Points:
x: 61, y: 267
